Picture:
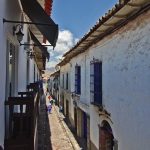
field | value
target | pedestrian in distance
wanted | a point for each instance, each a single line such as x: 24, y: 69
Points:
x: 52, y: 101
x: 49, y: 97
x: 49, y: 108
x: 60, y: 108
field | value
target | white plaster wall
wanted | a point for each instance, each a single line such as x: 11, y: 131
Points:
x: 36, y: 72
x: 9, y: 10
x: 80, y: 60
x: 64, y: 70
x: 67, y: 93
x: 31, y: 71
x: 84, y: 101
x: 125, y: 57
x: 22, y: 64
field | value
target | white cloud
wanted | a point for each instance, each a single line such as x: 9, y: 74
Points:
x: 76, y: 40
x: 65, y: 42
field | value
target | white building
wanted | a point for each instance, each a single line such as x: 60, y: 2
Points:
x: 17, y: 70
x: 110, y: 88
x: 53, y: 85
x: 65, y: 90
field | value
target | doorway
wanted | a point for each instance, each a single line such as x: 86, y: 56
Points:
x: 106, y: 137
x: 84, y: 126
x: 75, y: 119
x: 67, y: 109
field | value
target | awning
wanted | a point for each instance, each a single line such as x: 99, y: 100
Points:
x: 37, y: 15
x: 42, y: 47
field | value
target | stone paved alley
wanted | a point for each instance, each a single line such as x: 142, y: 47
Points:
x: 54, y: 134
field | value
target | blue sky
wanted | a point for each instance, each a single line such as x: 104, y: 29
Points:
x: 75, y: 18
x: 79, y: 16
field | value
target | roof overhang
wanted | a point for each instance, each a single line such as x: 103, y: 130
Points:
x: 56, y: 73
x: 41, y: 47
x: 36, y: 14
x: 120, y: 15
x: 40, y: 59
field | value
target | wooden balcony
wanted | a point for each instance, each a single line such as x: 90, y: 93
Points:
x: 21, y: 121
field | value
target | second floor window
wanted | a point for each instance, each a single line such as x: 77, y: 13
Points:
x: 96, y: 83
x: 77, y: 79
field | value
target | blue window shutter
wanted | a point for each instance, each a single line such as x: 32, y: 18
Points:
x: 92, y: 82
x: 77, y: 79
x: 98, y: 83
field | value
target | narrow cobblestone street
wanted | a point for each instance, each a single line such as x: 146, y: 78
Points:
x: 53, y: 132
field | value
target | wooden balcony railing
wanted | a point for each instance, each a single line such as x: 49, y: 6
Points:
x: 21, y: 121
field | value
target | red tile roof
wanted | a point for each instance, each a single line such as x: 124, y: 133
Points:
x: 48, y: 6
x: 48, y: 10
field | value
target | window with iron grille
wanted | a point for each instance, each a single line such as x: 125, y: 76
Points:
x: 77, y: 79
x: 96, y: 83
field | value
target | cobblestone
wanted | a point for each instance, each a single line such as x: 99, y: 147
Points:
x: 52, y: 130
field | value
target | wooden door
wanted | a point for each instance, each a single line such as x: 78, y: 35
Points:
x: 85, y: 126
x: 105, y: 139
x: 67, y: 108
x: 75, y: 119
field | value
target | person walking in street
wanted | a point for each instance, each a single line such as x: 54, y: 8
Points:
x: 60, y: 108
x: 49, y: 108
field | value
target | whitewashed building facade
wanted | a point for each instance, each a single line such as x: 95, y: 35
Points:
x: 109, y: 67
x: 53, y: 85
x: 17, y: 69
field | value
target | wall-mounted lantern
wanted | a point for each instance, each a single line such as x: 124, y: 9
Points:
x: 19, y: 34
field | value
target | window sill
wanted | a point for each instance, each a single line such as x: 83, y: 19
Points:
x: 97, y: 104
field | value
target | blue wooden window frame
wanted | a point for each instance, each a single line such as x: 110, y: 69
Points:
x: 96, y: 83
x: 78, y: 79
